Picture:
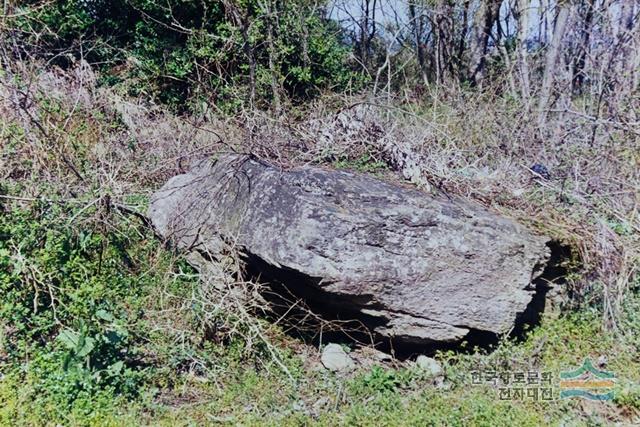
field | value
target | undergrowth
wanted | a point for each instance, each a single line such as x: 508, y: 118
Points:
x: 72, y: 310
x: 102, y: 324
x: 85, y: 341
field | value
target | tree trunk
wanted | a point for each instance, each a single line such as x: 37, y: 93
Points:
x: 444, y: 41
x: 633, y: 64
x: 485, y: 18
x: 628, y: 38
x: 463, y: 37
x: 306, y: 60
x: 577, y: 80
x: 553, y: 51
x: 249, y: 53
x: 418, y: 32
x: 501, y: 36
x: 367, y: 31
x: 523, y: 33
x: 242, y: 20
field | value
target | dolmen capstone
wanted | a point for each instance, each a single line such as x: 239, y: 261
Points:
x: 424, y: 268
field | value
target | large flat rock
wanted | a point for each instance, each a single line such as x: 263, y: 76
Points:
x: 425, y: 268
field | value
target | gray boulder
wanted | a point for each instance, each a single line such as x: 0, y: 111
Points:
x: 430, y: 366
x: 411, y: 266
x: 335, y: 359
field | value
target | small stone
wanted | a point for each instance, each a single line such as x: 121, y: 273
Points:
x: 372, y: 354
x: 518, y: 192
x: 541, y: 170
x: 381, y: 356
x: 321, y: 404
x: 430, y: 366
x: 335, y: 359
x: 602, y: 361
x: 299, y: 406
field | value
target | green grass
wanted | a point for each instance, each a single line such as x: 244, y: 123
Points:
x: 101, y: 324
x: 364, y: 163
x: 103, y: 357
x: 402, y: 397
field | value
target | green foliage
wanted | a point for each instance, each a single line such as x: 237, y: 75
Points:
x: 77, y: 337
x: 382, y: 380
x: 628, y: 394
x: 186, y: 51
x: 69, y: 302
x: 91, y: 28
x: 85, y: 363
x: 365, y: 163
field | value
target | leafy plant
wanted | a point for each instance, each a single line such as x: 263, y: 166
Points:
x: 183, y: 52
x: 56, y: 283
x: 384, y: 380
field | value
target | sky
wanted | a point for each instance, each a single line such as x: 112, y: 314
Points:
x: 348, y: 12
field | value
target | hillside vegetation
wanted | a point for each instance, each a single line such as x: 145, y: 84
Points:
x: 102, y: 323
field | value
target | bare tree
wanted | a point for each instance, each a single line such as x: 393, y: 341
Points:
x: 577, y: 80
x: 484, y: 20
x: 444, y: 40
x: 553, y: 51
x: 417, y: 25
x: 368, y: 27
x: 464, y: 29
x: 629, y: 33
x: 522, y: 12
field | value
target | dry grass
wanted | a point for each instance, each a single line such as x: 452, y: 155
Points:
x: 59, y: 128
x: 481, y: 147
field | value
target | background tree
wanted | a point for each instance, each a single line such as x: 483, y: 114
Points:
x: 551, y: 58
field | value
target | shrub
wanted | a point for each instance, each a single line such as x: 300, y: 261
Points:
x: 183, y: 51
